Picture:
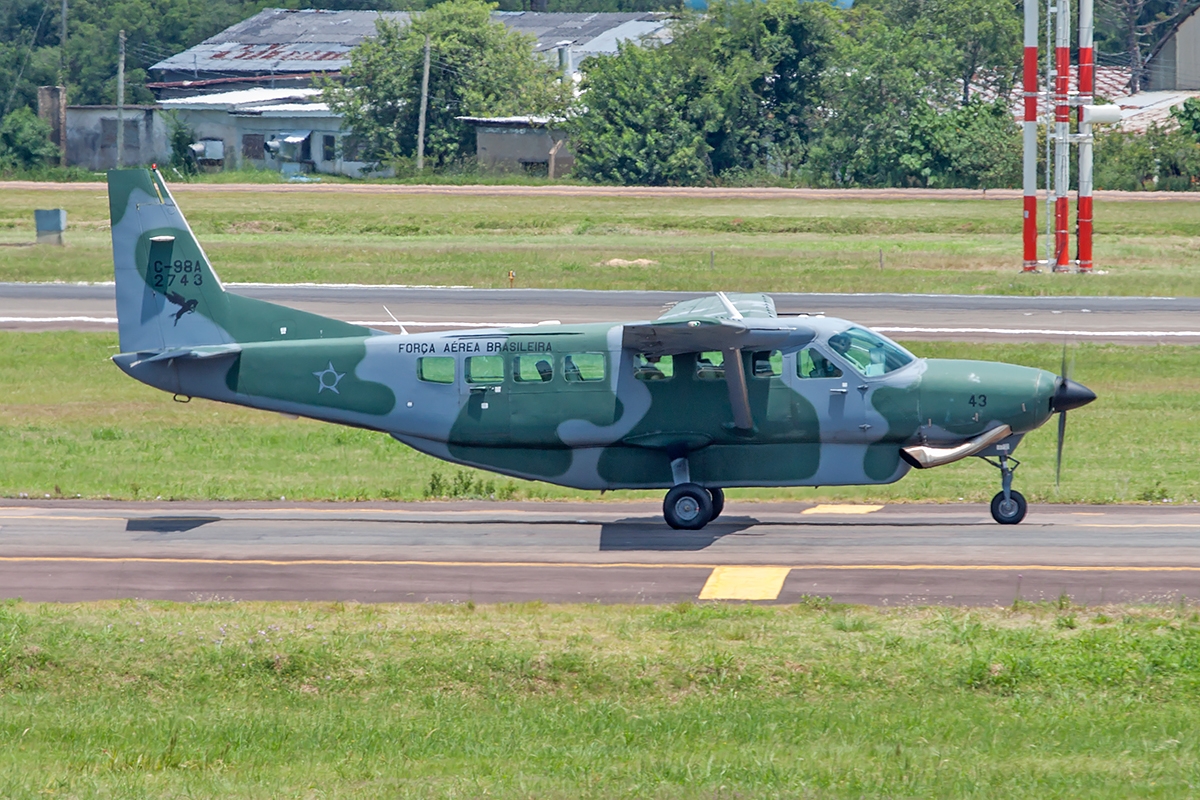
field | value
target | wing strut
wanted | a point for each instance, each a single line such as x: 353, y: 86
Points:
x: 739, y: 393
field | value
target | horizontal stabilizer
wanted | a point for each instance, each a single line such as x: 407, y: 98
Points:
x: 200, y: 351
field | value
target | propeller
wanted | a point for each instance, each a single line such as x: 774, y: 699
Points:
x: 1067, y: 395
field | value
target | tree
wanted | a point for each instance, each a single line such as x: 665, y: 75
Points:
x: 883, y: 80
x: 733, y: 93
x: 634, y: 127
x: 478, y: 68
x: 25, y: 142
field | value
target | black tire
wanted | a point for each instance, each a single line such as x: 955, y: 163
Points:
x: 718, y: 498
x: 688, y: 507
x: 1009, y: 513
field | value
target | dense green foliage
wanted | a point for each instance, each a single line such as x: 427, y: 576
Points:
x: 735, y: 91
x: 477, y: 67
x: 877, y: 95
x: 25, y: 142
x: 264, y: 700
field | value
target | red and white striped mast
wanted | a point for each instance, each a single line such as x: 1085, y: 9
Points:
x: 1029, y: 132
x: 1062, y: 133
x: 1083, y: 206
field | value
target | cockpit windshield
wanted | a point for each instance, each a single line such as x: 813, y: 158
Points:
x: 869, y: 353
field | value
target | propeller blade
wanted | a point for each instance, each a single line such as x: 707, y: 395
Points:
x: 1062, y: 433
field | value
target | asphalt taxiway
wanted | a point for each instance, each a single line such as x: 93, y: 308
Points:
x: 41, y: 306
x: 594, y: 552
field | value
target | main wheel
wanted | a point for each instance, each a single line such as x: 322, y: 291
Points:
x: 688, y: 507
x: 1011, y: 511
x: 718, y: 498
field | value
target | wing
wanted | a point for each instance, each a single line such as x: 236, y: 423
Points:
x: 730, y: 324
x: 199, y: 351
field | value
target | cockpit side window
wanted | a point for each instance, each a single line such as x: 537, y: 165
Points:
x: 869, y: 353
x: 812, y: 363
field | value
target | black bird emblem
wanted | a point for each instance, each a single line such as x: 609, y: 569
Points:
x: 185, y: 306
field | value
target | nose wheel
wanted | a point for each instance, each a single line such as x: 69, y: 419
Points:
x: 1008, y: 506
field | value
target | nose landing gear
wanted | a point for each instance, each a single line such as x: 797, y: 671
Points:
x: 1008, y: 506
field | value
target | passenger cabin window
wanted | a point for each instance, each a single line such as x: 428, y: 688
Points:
x: 811, y: 364
x: 653, y: 368
x: 436, y: 369
x: 484, y: 369
x: 869, y: 353
x: 711, y: 365
x: 583, y: 367
x: 767, y: 364
x: 533, y: 369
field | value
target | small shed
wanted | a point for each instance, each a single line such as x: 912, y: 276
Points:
x: 516, y: 143
x: 92, y: 136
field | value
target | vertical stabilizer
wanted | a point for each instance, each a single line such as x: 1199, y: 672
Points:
x: 167, y: 293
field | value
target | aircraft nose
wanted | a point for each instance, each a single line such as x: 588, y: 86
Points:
x: 1069, y: 395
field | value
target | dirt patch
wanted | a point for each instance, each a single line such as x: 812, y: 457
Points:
x: 620, y: 262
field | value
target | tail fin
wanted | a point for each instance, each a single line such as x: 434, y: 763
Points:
x: 167, y: 293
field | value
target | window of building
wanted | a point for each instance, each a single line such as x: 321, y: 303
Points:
x: 436, y: 369
x: 868, y: 352
x: 810, y: 363
x: 253, y: 146
x: 583, y: 367
x: 767, y: 364
x: 533, y: 369
x: 484, y: 369
x: 710, y: 365
x: 653, y: 368
x: 328, y: 148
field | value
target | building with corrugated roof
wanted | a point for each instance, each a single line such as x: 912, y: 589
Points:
x: 1174, y: 63
x: 285, y: 48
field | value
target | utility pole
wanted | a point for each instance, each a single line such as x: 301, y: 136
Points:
x: 121, y: 101
x: 421, y: 116
x: 62, y: 48
x: 62, y: 91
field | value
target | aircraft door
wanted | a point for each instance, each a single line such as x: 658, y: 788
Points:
x: 836, y: 392
x: 483, y: 417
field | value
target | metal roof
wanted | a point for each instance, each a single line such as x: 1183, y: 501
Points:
x: 226, y: 101
x: 279, y: 41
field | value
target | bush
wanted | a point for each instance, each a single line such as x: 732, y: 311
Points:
x: 25, y: 142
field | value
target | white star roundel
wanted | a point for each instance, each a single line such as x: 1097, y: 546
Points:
x: 328, y: 378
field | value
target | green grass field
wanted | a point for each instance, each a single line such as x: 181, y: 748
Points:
x: 155, y: 700
x: 71, y: 423
x: 964, y: 246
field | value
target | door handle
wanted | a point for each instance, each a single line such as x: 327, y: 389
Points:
x: 838, y: 391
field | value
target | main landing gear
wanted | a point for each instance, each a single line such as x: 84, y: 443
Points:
x: 1008, y: 506
x: 690, y: 506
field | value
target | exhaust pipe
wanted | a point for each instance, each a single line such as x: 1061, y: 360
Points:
x: 923, y: 456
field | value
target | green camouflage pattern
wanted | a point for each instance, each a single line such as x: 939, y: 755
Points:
x: 590, y: 422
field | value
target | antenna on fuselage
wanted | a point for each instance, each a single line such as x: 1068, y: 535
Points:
x: 398, y: 322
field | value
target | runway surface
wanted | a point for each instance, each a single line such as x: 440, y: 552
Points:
x: 600, y: 552
x: 1147, y: 320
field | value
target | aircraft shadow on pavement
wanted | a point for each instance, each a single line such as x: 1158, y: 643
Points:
x: 168, y: 524
x: 653, y: 534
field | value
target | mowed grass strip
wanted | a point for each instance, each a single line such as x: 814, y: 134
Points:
x: 785, y: 244
x: 259, y: 700
x: 72, y: 424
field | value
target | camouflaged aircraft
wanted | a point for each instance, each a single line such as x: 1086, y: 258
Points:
x: 717, y: 392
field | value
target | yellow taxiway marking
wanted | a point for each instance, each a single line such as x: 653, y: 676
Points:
x: 744, y: 583
x: 336, y: 562
x: 840, y: 509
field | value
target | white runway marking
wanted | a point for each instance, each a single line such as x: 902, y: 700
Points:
x: 96, y: 320
x: 881, y: 328
x: 1036, y: 332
